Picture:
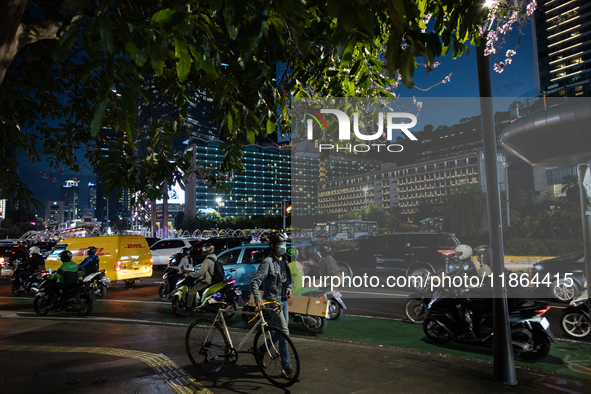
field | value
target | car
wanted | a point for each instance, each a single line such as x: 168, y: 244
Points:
x: 9, y: 252
x: 163, y: 249
x: 403, y: 254
x: 563, y: 277
x: 219, y: 243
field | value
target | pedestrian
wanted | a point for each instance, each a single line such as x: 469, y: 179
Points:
x: 91, y: 263
x: 275, y: 277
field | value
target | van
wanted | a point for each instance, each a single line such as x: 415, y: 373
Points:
x: 123, y: 257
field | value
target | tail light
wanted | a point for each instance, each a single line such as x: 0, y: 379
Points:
x: 118, y: 266
x: 540, y: 312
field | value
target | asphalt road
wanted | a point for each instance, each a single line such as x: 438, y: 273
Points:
x: 141, y: 302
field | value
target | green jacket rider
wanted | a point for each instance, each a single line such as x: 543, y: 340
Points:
x: 67, y: 273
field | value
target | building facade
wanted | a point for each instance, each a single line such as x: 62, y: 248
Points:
x: 54, y: 214
x: 69, y: 194
x: 562, y: 41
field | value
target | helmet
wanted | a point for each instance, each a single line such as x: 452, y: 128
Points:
x: 464, y: 251
x: 309, y: 252
x: 208, y: 249
x: 66, y: 255
x: 325, y: 250
x: 91, y: 250
x: 185, y: 251
x: 275, y: 238
x: 34, y: 249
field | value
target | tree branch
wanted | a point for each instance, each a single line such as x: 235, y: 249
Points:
x: 31, y: 33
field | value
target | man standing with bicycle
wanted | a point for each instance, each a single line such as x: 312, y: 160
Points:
x: 275, y: 277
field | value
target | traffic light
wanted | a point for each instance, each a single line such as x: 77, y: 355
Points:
x: 285, y: 208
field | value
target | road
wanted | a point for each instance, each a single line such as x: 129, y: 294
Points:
x: 141, y: 302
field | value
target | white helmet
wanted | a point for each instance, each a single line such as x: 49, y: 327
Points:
x: 34, y: 249
x: 464, y: 251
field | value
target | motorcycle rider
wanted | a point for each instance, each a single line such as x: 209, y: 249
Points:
x: 275, y: 277
x: 206, y: 271
x: 91, y: 263
x: 34, y: 263
x: 186, y: 263
x: 65, y: 277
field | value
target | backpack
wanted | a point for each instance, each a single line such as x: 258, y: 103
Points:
x: 218, y: 273
x: 94, y: 264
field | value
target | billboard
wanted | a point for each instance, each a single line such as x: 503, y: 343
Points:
x: 176, y: 195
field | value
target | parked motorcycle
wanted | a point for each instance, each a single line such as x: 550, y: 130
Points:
x: 530, y: 331
x: 79, y: 299
x: 575, y: 318
x: 28, y: 284
x: 223, y: 291
x: 98, y: 283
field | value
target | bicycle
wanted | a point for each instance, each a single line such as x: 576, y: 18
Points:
x: 209, y: 346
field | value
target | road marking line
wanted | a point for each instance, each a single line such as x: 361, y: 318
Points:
x: 159, y: 363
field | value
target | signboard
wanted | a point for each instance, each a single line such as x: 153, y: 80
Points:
x: 176, y: 195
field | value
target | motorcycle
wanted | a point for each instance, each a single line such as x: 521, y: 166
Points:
x: 530, y: 331
x: 169, y: 280
x: 79, y: 299
x: 28, y: 284
x: 98, y: 283
x: 209, y: 301
x: 575, y: 318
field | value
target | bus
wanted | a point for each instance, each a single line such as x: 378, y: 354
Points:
x: 347, y: 229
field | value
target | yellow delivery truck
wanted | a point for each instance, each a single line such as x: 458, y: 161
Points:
x: 123, y: 257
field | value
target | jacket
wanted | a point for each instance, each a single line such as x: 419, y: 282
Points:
x: 269, y: 275
x: 67, y: 273
x: 207, y: 268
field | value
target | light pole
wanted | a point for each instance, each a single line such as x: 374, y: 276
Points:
x: 504, y: 363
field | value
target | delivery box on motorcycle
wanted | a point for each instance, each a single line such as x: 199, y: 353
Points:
x: 123, y: 257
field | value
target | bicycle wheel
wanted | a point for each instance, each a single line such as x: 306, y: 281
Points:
x: 269, y: 340
x: 207, y: 346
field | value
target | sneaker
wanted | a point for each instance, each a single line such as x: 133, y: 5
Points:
x: 289, y: 373
x: 261, y: 357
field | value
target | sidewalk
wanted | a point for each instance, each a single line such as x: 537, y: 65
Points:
x: 73, y: 355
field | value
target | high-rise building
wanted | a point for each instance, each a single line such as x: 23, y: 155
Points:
x: 70, y: 196
x: 562, y: 45
x: 54, y: 214
x: 92, y: 196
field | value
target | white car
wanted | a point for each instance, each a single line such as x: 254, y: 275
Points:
x: 165, y: 248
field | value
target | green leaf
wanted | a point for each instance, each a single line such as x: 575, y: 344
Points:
x: 183, y: 59
x: 106, y: 33
x: 271, y: 126
x: 64, y: 47
x: 159, y: 54
x: 250, y: 136
x: 163, y: 16
x: 203, y: 62
x: 97, y: 120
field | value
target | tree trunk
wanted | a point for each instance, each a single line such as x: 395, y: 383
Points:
x: 11, y: 13
x: 14, y: 34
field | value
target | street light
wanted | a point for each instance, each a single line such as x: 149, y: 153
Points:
x: 504, y: 363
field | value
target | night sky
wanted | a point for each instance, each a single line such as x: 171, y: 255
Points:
x: 517, y: 80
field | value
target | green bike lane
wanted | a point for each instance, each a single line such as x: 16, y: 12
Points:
x: 569, y: 357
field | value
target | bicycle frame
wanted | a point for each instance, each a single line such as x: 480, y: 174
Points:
x: 260, y: 322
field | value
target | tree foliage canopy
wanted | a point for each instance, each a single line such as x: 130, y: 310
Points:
x: 71, y: 69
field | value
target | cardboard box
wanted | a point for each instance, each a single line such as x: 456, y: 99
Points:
x: 308, y: 306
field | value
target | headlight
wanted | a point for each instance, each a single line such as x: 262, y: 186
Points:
x: 538, y: 267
